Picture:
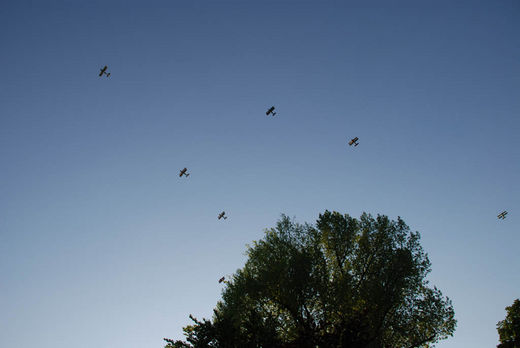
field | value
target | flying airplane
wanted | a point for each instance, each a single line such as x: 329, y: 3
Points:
x: 221, y: 215
x: 502, y: 215
x: 354, y: 141
x: 103, y: 71
x: 183, y: 172
x: 271, y: 111
x: 221, y: 280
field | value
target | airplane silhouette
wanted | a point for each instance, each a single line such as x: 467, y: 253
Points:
x: 354, y: 141
x: 103, y: 71
x: 221, y: 215
x: 270, y: 111
x: 502, y: 215
x: 183, y: 172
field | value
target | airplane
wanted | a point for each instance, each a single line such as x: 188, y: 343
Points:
x: 103, y: 71
x: 221, y: 280
x: 271, y: 111
x: 221, y: 215
x: 354, y: 141
x: 502, y: 215
x: 183, y: 172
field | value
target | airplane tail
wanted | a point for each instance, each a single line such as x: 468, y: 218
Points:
x: 187, y: 174
x: 225, y: 217
x: 274, y: 113
x: 108, y: 74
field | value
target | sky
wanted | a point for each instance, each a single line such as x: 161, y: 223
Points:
x: 103, y: 245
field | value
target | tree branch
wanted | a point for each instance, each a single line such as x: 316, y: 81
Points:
x: 423, y: 341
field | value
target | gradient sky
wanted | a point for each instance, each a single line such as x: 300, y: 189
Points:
x: 103, y: 245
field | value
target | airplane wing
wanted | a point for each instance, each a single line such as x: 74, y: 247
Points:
x: 101, y: 73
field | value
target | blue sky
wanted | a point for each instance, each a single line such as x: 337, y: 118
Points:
x: 103, y: 245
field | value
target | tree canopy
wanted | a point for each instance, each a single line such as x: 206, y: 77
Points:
x: 509, y: 328
x: 343, y: 282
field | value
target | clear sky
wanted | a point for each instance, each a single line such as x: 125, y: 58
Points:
x: 103, y: 245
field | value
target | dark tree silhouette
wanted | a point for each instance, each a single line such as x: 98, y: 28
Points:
x: 509, y: 328
x: 341, y: 283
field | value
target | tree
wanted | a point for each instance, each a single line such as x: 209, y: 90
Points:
x: 509, y: 328
x: 341, y: 283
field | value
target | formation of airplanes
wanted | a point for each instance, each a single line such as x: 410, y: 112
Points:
x: 103, y: 70
x: 270, y: 111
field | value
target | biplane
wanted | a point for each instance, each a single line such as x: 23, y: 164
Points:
x: 221, y: 280
x: 354, y: 141
x: 104, y: 71
x: 502, y: 215
x: 271, y: 111
x: 221, y: 215
x: 183, y: 172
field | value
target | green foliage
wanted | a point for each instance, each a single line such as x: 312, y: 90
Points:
x: 342, y: 283
x: 509, y: 328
